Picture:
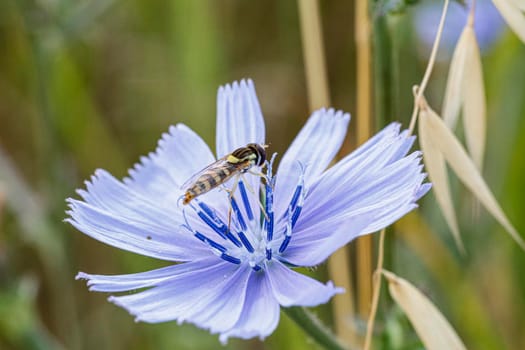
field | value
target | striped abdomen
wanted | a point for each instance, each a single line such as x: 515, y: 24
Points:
x: 213, y: 178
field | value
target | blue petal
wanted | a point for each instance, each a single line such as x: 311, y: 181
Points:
x: 112, y: 196
x: 239, y: 122
x: 129, y: 282
x: 260, y: 314
x: 143, y: 214
x: 313, y: 149
x: 385, y: 147
x: 239, y: 117
x: 180, y: 154
x: 294, y: 289
x: 137, y: 235
x: 379, y: 179
x: 378, y: 183
x: 312, y: 247
x: 208, y: 293
x: 384, y: 197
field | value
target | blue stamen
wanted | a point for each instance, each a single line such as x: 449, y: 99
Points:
x: 269, y: 166
x: 230, y: 258
x: 296, y: 214
x: 269, y: 227
x: 211, y: 219
x: 209, y: 216
x: 268, y: 254
x: 256, y: 268
x: 238, y: 213
x: 296, y: 195
x: 246, y: 242
x: 212, y: 243
x: 269, y: 213
x: 233, y: 239
x: 287, y: 231
x: 245, y: 201
x: 285, y: 243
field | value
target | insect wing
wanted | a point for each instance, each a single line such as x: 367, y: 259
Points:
x: 217, y: 164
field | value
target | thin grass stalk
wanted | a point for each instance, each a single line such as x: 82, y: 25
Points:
x: 363, y: 91
x: 418, y: 91
x: 377, y: 291
x: 318, y: 96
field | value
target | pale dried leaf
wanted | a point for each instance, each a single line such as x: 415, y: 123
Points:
x: 511, y: 11
x: 433, y: 329
x: 465, y: 169
x: 520, y: 4
x: 474, y: 107
x: 437, y: 173
x: 454, y: 89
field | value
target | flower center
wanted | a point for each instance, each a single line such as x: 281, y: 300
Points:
x: 247, y: 238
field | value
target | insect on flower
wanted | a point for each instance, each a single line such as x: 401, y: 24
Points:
x: 217, y: 173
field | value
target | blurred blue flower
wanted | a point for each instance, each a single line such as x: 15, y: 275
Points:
x: 233, y: 282
x: 488, y: 24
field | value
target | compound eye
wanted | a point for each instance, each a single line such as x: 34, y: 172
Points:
x: 261, y: 155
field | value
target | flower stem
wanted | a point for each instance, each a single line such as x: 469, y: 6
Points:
x: 314, y: 328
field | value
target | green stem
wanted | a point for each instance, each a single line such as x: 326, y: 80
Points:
x: 312, y: 326
x: 383, y: 73
x: 386, y: 86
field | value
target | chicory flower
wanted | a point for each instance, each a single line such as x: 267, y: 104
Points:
x: 235, y: 255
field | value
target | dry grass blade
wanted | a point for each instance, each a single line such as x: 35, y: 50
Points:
x: 465, y: 90
x: 511, y: 11
x: 474, y: 107
x: 520, y: 4
x: 437, y: 173
x: 454, y: 89
x: 433, y: 329
x: 464, y: 167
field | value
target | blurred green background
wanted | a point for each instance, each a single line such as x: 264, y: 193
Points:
x: 93, y: 84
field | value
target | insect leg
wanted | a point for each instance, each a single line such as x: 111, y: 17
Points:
x: 257, y: 173
x: 230, y: 196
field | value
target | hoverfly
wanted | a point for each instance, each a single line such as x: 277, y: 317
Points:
x: 220, y: 171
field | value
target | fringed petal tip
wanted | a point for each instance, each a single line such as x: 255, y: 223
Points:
x: 167, y: 137
x: 332, y: 113
x: 143, y: 163
x: 239, y: 117
x: 82, y: 276
x: 422, y: 190
x: 223, y: 338
x: 337, y: 290
x: 243, y: 84
x: 87, y: 278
